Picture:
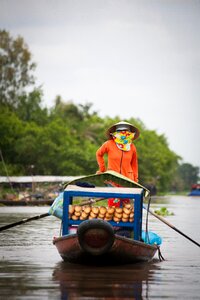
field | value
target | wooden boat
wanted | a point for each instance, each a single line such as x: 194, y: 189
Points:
x: 103, y: 241
x: 99, y: 248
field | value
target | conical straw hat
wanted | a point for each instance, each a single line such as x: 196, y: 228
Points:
x: 123, y: 126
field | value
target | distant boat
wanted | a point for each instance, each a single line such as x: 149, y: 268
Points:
x: 195, y: 190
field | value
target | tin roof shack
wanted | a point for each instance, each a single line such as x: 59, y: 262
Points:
x: 31, y: 190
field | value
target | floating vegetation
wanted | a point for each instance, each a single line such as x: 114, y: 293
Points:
x: 163, y: 211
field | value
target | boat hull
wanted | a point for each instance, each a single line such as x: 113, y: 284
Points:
x: 194, y: 193
x: 122, y: 251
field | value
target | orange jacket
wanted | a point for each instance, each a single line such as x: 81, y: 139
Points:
x: 123, y: 162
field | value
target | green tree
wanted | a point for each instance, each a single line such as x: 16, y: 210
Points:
x: 189, y: 174
x: 15, y: 68
x: 11, y: 129
x: 81, y: 138
x: 30, y: 109
x: 157, y: 163
x: 67, y: 111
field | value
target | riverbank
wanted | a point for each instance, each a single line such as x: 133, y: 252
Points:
x: 41, y: 202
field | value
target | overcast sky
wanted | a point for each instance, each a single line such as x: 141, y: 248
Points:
x: 131, y: 58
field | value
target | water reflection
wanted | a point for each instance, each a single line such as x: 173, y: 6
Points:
x: 20, y: 280
x: 86, y: 282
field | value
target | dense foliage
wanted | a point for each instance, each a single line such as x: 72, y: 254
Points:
x: 15, y: 68
x: 63, y: 140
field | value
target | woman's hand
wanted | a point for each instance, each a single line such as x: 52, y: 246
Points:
x: 98, y: 172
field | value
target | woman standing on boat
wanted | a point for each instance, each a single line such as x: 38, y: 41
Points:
x: 121, y: 152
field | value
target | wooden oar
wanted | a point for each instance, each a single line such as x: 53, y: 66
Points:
x: 170, y: 225
x: 89, y: 202
x: 24, y: 221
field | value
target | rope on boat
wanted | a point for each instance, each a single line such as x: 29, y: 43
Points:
x: 147, y: 219
x: 161, y: 258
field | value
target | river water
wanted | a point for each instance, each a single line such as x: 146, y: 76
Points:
x: 31, y: 268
